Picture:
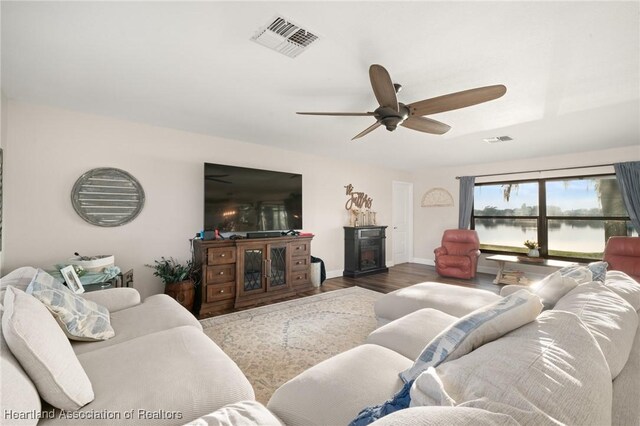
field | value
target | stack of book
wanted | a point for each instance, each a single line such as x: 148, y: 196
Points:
x: 513, y: 277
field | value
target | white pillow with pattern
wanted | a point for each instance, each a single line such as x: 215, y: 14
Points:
x: 79, y: 318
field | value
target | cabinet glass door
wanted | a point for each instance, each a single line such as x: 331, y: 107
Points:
x: 253, y: 269
x: 278, y: 264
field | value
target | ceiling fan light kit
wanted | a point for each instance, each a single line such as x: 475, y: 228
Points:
x: 391, y: 113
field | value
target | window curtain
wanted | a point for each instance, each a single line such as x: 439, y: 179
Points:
x: 466, y: 201
x: 628, y: 176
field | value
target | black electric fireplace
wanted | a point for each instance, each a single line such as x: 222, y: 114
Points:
x: 364, y: 250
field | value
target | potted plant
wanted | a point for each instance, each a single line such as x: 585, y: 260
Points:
x: 177, y: 280
x: 533, y: 248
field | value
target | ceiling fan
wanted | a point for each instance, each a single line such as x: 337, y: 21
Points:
x: 392, y: 113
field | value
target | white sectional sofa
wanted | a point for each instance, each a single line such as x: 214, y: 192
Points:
x: 160, y: 368
x: 577, y: 364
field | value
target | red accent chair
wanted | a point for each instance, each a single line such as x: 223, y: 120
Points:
x: 623, y: 254
x: 458, y: 255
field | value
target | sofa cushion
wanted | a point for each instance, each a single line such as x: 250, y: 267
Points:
x: 243, y: 413
x: 611, y: 320
x: 114, y: 299
x: 335, y: 390
x: 552, y: 287
x: 157, y: 313
x: 469, y: 332
x: 19, y: 278
x: 179, y: 372
x: 624, y: 286
x: 410, y: 334
x: 626, y: 388
x: 445, y: 416
x: 19, y: 394
x: 37, y: 342
x: 548, y: 371
x: 450, y: 299
x: 79, y: 318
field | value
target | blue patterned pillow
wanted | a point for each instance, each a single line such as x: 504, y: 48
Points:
x: 580, y: 273
x: 468, y: 333
x: 79, y: 318
x: 599, y: 270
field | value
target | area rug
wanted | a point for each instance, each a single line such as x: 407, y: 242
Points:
x: 274, y: 343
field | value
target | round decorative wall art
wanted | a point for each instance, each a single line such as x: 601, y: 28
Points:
x: 437, y: 197
x: 107, y: 197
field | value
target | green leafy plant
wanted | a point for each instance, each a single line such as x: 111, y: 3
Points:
x: 170, y: 271
x: 531, y: 244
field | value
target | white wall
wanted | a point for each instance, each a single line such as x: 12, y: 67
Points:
x: 50, y: 148
x: 430, y: 222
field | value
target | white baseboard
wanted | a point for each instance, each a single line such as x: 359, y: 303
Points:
x: 423, y: 261
x: 334, y: 274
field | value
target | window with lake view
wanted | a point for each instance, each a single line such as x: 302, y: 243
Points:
x: 569, y: 217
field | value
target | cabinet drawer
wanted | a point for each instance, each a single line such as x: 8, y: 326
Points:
x: 299, y: 263
x: 217, y: 292
x: 221, y: 255
x: 300, y: 248
x: 299, y: 277
x: 221, y: 273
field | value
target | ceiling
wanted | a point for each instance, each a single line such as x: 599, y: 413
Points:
x: 571, y: 71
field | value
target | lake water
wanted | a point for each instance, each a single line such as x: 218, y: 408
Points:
x: 565, y: 238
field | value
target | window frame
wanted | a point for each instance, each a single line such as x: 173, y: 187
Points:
x: 542, y: 218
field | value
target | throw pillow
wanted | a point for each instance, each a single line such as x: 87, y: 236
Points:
x: 79, y: 318
x: 18, y: 278
x: 551, y: 288
x: 428, y: 390
x: 581, y: 274
x: 19, y: 394
x: 469, y: 332
x: 610, y: 319
x: 508, y: 290
x: 599, y: 270
x: 44, y: 352
x: 624, y: 286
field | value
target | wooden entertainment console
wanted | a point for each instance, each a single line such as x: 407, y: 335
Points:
x: 245, y: 272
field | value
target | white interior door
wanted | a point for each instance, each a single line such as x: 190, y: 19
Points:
x: 402, y: 221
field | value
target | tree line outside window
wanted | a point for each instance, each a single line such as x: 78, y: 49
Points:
x: 570, y: 217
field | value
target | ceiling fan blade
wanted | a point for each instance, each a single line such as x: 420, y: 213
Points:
x: 456, y: 100
x: 356, y: 114
x: 367, y: 130
x: 427, y: 125
x: 383, y: 87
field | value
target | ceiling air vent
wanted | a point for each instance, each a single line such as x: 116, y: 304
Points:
x: 283, y: 36
x: 498, y: 139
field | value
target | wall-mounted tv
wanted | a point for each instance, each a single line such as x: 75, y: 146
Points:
x: 239, y: 199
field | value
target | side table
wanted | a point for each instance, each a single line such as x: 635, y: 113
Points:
x: 517, y: 277
x: 121, y: 280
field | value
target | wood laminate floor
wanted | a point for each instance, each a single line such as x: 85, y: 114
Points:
x: 399, y: 276
x: 407, y: 274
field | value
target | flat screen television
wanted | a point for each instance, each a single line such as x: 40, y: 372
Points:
x: 239, y: 199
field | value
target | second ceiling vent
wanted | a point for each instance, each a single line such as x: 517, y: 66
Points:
x: 283, y: 36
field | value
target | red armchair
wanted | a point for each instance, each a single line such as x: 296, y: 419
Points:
x: 623, y: 254
x: 458, y: 255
